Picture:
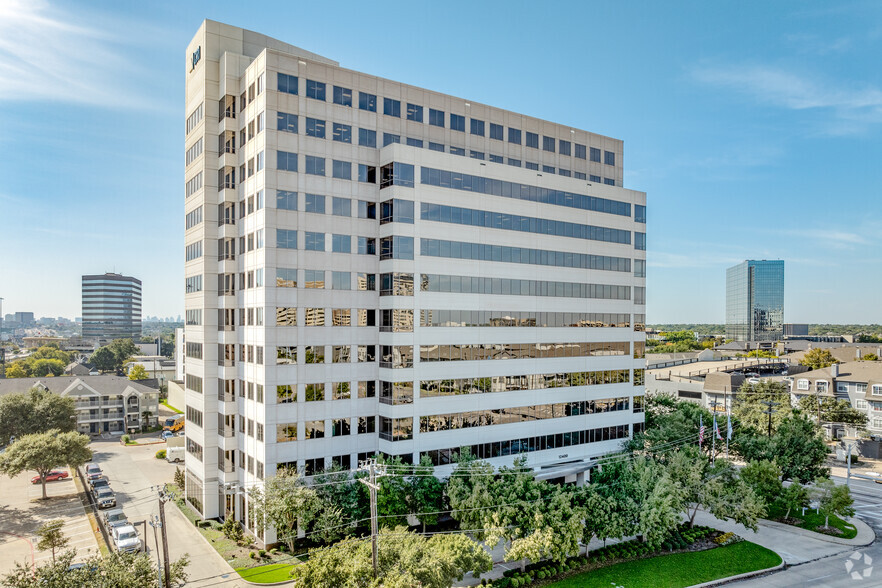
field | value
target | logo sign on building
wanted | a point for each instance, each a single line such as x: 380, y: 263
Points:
x: 194, y: 59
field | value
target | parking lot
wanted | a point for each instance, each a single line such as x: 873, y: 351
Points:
x: 22, y: 512
x: 135, y: 474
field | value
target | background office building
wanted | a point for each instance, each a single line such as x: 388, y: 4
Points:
x: 375, y: 267
x: 755, y: 301
x: 111, y: 307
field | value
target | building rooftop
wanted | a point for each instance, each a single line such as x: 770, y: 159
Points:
x: 59, y: 384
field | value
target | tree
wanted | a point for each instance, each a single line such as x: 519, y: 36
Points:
x: 817, y: 359
x: 335, y: 486
x: 764, y: 477
x: 668, y: 423
x: 122, y: 350
x: 833, y: 410
x: 404, y: 559
x: 51, y: 536
x: 800, y: 450
x: 555, y: 532
x: 179, y: 478
x: 832, y: 499
x: 138, y: 372
x: 120, y: 570
x: 752, y: 400
x: 18, y: 369
x: 426, y: 493
x: 43, y: 452
x: 794, y: 496
x: 47, y: 367
x: 392, y: 495
x: 870, y: 357
x: 34, y: 412
x: 145, y: 419
x: 602, y: 517
x: 284, y: 502
x: 103, y: 359
x: 470, y: 490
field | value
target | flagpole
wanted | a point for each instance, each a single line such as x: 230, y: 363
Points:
x: 714, y: 438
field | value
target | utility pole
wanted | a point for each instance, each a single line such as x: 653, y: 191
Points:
x: 769, y: 411
x: 371, y: 466
x: 163, y: 497
x: 154, y: 522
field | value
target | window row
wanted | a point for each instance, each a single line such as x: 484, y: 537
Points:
x: 287, y: 355
x: 316, y: 203
x: 506, y: 254
x: 530, y: 444
x: 194, y: 217
x: 526, y: 224
x: 193, y: 383
x: 287, y: 239
x: 287, y: 393
x: 490, y: 351
x: 481, y: 185
x: 520, y: 414
x: 287, y: 277
x: 520, y: 318
x: 513, y: 287
x: 287, y: 432
x: 226, y: 354
x: 459, y: 386
x: 315, y: 317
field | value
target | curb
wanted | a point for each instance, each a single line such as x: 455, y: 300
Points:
x: 855, y: 542
x: 282, y: 583
x: 735, y: 578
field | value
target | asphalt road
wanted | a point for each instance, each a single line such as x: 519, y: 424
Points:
x: 857, y: 568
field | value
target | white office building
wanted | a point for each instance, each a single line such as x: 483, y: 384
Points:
x: 373, y: 267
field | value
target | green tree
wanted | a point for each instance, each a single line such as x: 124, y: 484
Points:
x: 668, y: 423
x: 179, y: 478
x: 103, y: 359
x: 555, y: 531
x: 833, y: 410
x: 392, y: 507
x: 18, y: 369
x: 283, y: 502
x: 832, y: 499
x: 43, y: 452
x: 47, y: 367
x: 426, y: 493
x: 794, y: 496
x: 336, y: 487
x: 870, y: 357
x: 752, y: 400
x: 602, y: 517
x: 405, y: 559
x: 122, y: 350
x: 119, y: 570
x: 800, y: 450
x: 818, y: 358
x: 470, y: 490
x: 51, y: 536
x: 34, y: 412
x: 764, y: 477
x: 138, y: 372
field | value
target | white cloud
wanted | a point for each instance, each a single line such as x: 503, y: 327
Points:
x: 45, y: 54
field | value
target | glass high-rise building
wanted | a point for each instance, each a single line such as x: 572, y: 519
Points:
x: 755, y: 301
x: 373, y: 267
x: 111, y: 307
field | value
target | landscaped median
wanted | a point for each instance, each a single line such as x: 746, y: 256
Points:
x: 689, y: 556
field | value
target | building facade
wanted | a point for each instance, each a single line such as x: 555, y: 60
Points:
x: 111, y: 307
x: 373, y: 267
x: 858, y: 382
x: 755, y: 301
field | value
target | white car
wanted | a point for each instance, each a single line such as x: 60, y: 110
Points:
x: 126, y: 539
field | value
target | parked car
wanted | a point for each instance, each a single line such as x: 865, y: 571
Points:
x: 115, y: 518
x: 105, y: 498
x: 51, y: 476
x: 174, y: 454
x: 126, y: 539
x: 93, y: 471
x: 99, y: 481
x: 166, y: 434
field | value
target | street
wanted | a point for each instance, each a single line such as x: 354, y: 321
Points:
x: 849, y: 566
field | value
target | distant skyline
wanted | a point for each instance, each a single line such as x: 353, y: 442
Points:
x: 753, y: 127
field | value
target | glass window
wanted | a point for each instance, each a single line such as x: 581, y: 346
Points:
x: 609, y: 181
x: 341, y: 244
x: 314, y: 279
x: 315, y: 90
x: 342, y: 96
x: 580, y: 175
x: 532, y: 140
x: 396, y: 247
x: 457, y: 150
x: 367, y: 138
x: 414, y: 142
x: 564, y: 172
x: 315, y: 128
x: 436, y: 147
x: 367, y: 209
x: 286, y: 278
x: 287, y: 83
x: 436, y: 117
x: 315, y: 203
x: 341, y: 169
x: 367, y: 101
x: 286, y: 161
x: 595, y: 154
x: 286, y: 239
x: 476, y: 155
x: 477, y: 127
x: 367, y: 246
x: 514, y: 136
x: 342, y: 133
x: 315, y: 241
x: 286, y: 200
x: 457, y: 122
x: 392, y: 107
x: 389, y: 138
x: 580, y: 151
x: 564, y: 147
x: 548, y: 144
x: 639, y: 213
x: 396, y: 211
x: 609, y: 158
x: 341, y: 206
x: 640, y: 241
x: 496, y: 131
x: 514, y: 162
x: 341, y: 280
x: 415, y: 112
x: 397, y: 174
x: 496, y: 158
x: 531, y: 165
x: 367, y: 174
x: 594, y: 178
x: 639, y: 268
x: 548, y: 169
x: 315, y: 165
x: 286, y: 122
x: 366, y: 282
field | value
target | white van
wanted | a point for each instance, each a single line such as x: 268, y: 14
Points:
x: 174, y: 454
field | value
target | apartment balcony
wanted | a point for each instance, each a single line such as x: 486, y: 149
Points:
x: 227, y: 467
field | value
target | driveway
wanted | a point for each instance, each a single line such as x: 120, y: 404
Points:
x: 22, y: 511
x: 135, y: 475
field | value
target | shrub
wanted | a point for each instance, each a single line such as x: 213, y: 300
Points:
x: 261, y: 552
x: 252, y: 555
x: 179, y: 478
x: 160, y: 454
x: 125, y: 439
x: 232, y: 530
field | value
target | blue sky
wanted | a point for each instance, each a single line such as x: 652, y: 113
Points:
x: 754, y: 128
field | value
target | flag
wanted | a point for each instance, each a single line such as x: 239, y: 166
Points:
x: 729, y: 428
x: 700, y: 430
x: 716, y: 428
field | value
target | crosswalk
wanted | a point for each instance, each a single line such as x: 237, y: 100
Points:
x: 869, y: 511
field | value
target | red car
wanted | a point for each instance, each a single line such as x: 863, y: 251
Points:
x: 51, y: 477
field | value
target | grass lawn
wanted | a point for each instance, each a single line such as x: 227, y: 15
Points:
x: 165, y: 403
x: 679, y: 569
x: 812, y: 521
x: 266, y: 574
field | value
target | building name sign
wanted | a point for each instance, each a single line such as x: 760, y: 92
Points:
x: 194, y: 59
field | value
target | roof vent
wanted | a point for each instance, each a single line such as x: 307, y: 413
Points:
x: 834, y: 370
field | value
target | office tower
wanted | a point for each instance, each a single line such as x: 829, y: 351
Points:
x: 111, y: 307
x: 375, y: 267
x: 755, y: 301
